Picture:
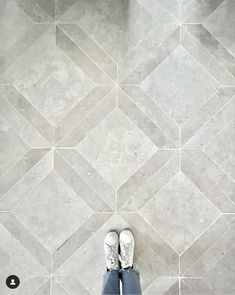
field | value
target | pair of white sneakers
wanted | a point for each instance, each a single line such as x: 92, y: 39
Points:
x: 111, y: 248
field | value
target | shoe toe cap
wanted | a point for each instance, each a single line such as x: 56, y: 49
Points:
x: 111, y: 238
x: 126, y: 236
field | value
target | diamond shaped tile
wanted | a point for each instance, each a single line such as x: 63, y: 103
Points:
x: 180, y: 212
x: 116, y: 148
x: 221, y: 149
x: 12, y: 147
x: 52, y: 211
x: 174, y: 85
x: 54, y: 85
x: 221, y: 23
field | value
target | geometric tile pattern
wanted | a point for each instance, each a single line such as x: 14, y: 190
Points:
x: 117, y: 114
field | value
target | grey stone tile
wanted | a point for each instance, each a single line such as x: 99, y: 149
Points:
x: 77, y: 55
x: 20, y: 169
x: 180, y: 212
x: 54, y: 85
x: 73, y: 10
x: 120, y: 148
x: 195, y: 260
x: 78, y: 238
x: 153, y: 59
x: 221, y: 276
x: 210, y: 168
x: 134, y: 191
x: 142, y: 121
x: 24, y: 59
x: 163, y: 286
x: 197, y: 11
x: 203, y: 56
x: 180, y: 69
x: 149, y: 44
x: 212, y: 257
x: 95, y: 52
x: 30, y: 179
x: 155, y: 113
x: 20, y: 44
x: 195, y: 287
x: 12, y: 148
x: 90, y: 175
x: 58, y: 289
x: 79, y: 186
x: 111, y: 17
x: 221, y: 24
x: 89, y: 122
x: 72, y: 286
x: 117, y: 114
x: 21, y: 250
x: 38, y: 10
x: 28, y: 111
x: 137, y: 194
x: 62, y: 6
x: 195, y: 122
x: 61, y: 211
x: 213, y: 46
x: 210, y: 129
x: 28, y: 286
x: 24, y: 128
x: 206, y: 185
x: 44, y: 289
x: 80, y: 111
x: 221, y: 149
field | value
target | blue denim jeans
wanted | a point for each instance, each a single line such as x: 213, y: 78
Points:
x: 130, y: 282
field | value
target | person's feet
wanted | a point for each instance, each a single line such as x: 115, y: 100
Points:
x: 111, y: 243
x: 127, y: 244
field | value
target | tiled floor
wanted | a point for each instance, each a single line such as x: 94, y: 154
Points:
x: 115, y: 114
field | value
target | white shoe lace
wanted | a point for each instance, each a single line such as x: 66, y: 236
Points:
x: 111, y: 256
x: 125, y: 257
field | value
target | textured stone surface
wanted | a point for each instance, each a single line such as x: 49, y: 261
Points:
x: 117, y: 114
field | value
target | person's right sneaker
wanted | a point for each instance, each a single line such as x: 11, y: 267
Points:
x: 127, y: 245
x: 111, y: 243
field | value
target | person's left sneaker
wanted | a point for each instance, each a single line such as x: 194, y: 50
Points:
x: 111, y: 244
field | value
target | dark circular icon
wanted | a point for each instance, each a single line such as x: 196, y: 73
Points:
x: 12, y: 282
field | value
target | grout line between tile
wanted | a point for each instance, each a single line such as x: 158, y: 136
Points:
x: 93, y: 189
x: 147, y: 116
x: 202, y: 107
x: 3, y: 196
x: 202, y: 233
x: 222, y: 170
x: 211, y: 245
x: 91, y: 110
x: 90, y: 59
x: 149, y: 179
x: 226, y: 70
x: 212, y: 117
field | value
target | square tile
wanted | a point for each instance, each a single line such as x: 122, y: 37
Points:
x: 174, y: 85
x: 54, y: 85
x: 52, y: 211
x: 116, y: 148
x: 180, y: 212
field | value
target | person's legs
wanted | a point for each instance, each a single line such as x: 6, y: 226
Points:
x: 130, y: 282
x: 111, y: 283
x: 130, y: 278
